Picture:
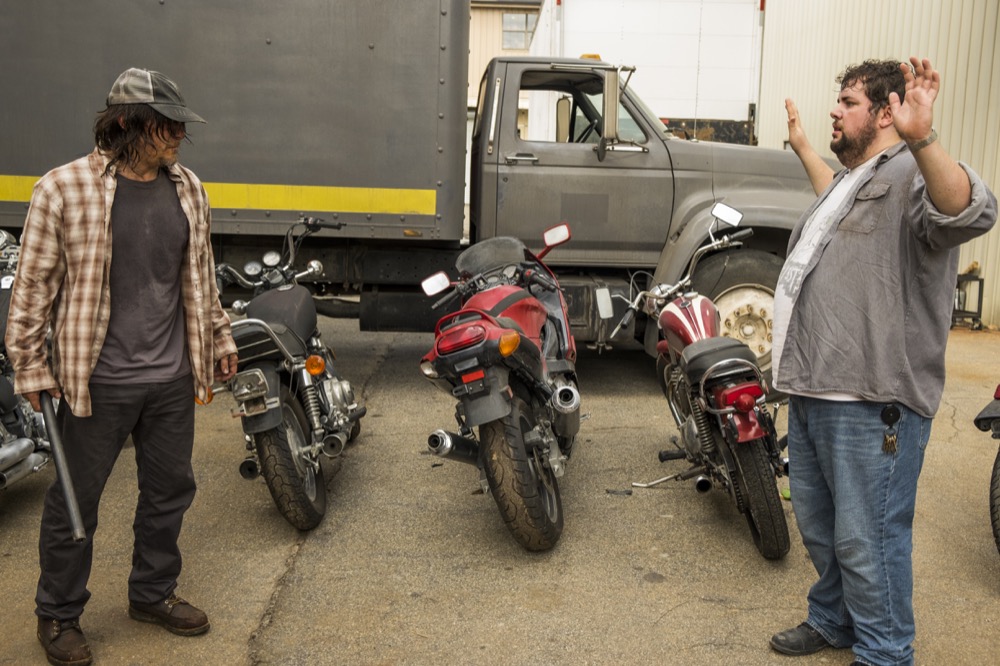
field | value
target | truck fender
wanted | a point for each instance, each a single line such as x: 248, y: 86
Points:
x: 772, y: 225
x: 272, y: 417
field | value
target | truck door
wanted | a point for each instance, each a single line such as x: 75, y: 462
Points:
x: 548, y: 169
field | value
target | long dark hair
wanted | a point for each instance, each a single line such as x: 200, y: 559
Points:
x: 122, y: 131
x: 878, y: 78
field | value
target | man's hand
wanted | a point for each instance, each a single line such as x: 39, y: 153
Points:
x: 914, y: 116
x: 34, y: 397
x: 819, y: 172
x: 947, y: 183
x: 796, y: 135
x: 226, y: 368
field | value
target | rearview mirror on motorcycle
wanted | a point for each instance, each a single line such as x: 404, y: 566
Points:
x: 727, y: 214
x: 553, y: 237
x: 605, y: 309
x: 436, y: 283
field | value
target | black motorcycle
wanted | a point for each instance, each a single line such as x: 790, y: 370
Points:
x: 294, y: 405
x: 989, y: 421
x: 24, y: 444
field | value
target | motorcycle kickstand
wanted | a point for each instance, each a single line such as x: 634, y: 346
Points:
x: 680, y: 476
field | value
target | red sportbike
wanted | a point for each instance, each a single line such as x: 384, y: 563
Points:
x: 509, y: 357
x: 717, y: 397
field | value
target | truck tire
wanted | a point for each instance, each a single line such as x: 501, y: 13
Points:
x: 763, y: 511
x: 297, y: 488
x: 526, y: 493
x: 741, y: 283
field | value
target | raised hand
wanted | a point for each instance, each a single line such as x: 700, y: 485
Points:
x: 913, y: 117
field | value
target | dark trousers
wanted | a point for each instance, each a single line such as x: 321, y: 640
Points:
x: 160, y: 418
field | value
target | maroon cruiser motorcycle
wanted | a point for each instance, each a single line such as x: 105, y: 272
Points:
x: 989, y: 421
x: 508, y: 357
x: 717, y: 396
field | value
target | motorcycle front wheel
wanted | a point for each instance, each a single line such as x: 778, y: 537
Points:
x: 295, y: 482
x: 995, y: 501
x: 526, y: 492
x: 762, y: 504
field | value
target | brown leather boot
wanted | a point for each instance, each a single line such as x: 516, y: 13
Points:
x: 172, y: 613
x: 64, y: 642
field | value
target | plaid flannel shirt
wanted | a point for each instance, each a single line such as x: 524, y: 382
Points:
x: 63, y: 281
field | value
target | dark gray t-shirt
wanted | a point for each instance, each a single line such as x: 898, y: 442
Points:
x: 149, y: 236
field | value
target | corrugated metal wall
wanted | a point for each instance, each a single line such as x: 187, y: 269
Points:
x: 806, y: 44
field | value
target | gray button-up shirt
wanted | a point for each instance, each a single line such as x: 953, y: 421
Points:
x: 874, y: 310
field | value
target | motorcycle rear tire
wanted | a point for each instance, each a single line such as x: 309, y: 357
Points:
x: 763, y: 511
x: 995, y: 501
x: 298, y: 489
x: 526, y: 494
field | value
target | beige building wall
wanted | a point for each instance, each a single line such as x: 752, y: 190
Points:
x: 807, y: 43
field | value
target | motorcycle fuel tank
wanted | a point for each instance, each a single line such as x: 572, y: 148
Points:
x: 689, y: 318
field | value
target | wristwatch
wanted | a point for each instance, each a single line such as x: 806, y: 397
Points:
x: 931, y: 138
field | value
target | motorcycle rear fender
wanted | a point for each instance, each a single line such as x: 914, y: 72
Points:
x: 747, y: 426
x: 989, y: 414
x: 272, y: 417
x: 491, y: 404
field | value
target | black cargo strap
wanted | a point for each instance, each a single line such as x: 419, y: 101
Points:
x: 508, y: 301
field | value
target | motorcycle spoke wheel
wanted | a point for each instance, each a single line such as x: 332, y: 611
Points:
x: 525, y: 490
x: 759, y: 490
x: 294, y: 479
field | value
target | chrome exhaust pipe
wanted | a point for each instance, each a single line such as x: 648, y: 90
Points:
x: 566, y: 399
x: 703, y: 484
x: 334, y: 443
x: 249, y: 469
x: 455, y: 447
x: 29, y: 465
x: 565, y: 403
x: 14, y: 452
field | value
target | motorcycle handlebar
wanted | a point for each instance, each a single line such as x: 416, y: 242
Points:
x: 447, y: 299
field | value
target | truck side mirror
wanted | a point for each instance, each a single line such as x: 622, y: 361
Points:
x: 609, y: 133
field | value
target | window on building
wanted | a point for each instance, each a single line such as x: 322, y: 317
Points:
x: 518, y: 27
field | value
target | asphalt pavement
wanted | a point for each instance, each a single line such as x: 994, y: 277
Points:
x: 413, y: 565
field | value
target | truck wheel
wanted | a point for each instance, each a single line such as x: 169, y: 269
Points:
x: 525, y: 491
x: 296, y: 484
x: 741, y: 283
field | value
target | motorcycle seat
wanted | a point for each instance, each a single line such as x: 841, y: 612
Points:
x: 701, y: 355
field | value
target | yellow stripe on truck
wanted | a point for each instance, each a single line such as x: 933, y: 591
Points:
x: 393, y: 201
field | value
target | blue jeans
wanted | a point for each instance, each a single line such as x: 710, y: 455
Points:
x: 854, y: 506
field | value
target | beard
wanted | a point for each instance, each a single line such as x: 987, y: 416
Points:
x: 850, y: 149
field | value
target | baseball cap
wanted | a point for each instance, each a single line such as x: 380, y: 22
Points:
x: 144, y: 86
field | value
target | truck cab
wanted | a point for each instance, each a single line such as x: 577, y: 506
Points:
x: 637, y: 198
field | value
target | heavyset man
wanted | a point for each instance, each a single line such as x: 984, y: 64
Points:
x: 862, y: 312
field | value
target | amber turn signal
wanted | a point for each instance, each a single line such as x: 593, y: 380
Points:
x: 315, y: 365
x: 509, y: 343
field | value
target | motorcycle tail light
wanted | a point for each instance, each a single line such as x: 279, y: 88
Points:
x: 742, y: 397
x: 315, y: 365
x: 461, y: 338
x: 996, y: 394
x: 509, y: 343
x: 427, y: 368
x: 473, y: 376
